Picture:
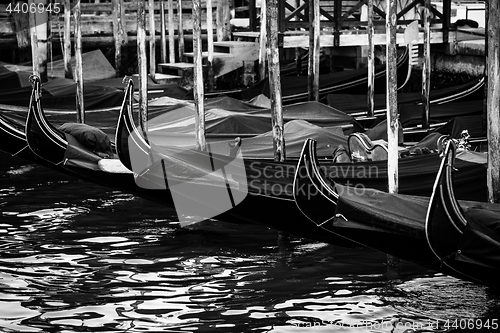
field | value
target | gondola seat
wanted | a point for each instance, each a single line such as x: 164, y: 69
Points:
x: 91, y: 137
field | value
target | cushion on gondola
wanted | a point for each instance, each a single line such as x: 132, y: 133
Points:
x: 91, y: 137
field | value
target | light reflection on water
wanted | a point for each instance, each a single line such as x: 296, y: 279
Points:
x: 76, y: 257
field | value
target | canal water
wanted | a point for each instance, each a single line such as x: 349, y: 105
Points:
x: 78, y: 257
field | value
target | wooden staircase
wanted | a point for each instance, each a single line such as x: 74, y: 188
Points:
x: 227, y: 57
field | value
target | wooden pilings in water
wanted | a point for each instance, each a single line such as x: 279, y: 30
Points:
x: 171, y: 40
x: 426, y: 68
x: 210, y: 42
x: 142, y: 66
x: 163, y: 46
x: 493, y: 100
x: 80, y: 108
x: 38, y: 23
x: 275, y: 80
x: 392, y: 97
x: 314, y: 50
x: 119, y: 34
x: 152, y: 39
x: 198, y: 78
x: 262, y: 41
x: 371, y: 62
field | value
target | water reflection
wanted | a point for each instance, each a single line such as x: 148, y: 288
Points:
x: 79, y: 257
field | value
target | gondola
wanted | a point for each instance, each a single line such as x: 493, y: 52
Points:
x: 391, y: 223
x: 347, y: 82
x: 465, y: 240
x: 62, y: 152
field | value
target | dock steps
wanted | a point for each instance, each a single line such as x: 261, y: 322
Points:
x: 176, y: 68
x: 161, y: 78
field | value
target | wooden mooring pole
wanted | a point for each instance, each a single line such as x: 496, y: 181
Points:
x: 314, y: 49
x: 262, y: 40
x: 392, y: 106
x: 34, y: 43
x: 80, y: 107
x: 152, y: 39
x: 180, y: 31
x: 39, y: 38
x: 392, y: 97
x: 142, y: 67
x: 171, y: 31
x: 119, y: 33
x: 426, y: 68
x: 371, y: 62
x: 493, y: 101
x: 163, y: 35
x: 210, y: 45
x: 68, y: 72
x: 275, y: 80
x: 198, y: 78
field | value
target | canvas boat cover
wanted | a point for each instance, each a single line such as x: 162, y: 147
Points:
x: 95, y: 67
x: 352, y: 103
x: 246, y: 119
x: 57, y: 93
x: 261, y: 146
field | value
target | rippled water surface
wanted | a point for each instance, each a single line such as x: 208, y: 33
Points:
x: 78, y: 257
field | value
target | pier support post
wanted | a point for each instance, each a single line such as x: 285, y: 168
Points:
x: 119, y: 34
x: 493, y: 101
x: 371, y: 62
x: 198, y: 78
x: 39, y: 35
x: 142, y: 66
x: 262, y: 40
x: 152, y: 39
x: 163, y: 35
x: 392, y: 97
x: 392, y: 106
x: 180, y: 31
x: 210, y: 45
x: 275, y: 80
x: 68, y: 72
x: 80, y: 108
x: 314, y: 49
x: 171, y: 31
x: 426, y: 68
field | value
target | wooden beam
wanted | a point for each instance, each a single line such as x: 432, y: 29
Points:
x: 210, y: 45
x: 314, y: 50
x: 180, y: 31
x: 262, y: 40
x: 38, y: 26
x: 171, y: 32
x: 34, y: 43
x: 275, y: 80
x: 80, y: 107
x: 392, y: 98
x: 163, y: 34
x: 68, y: 72
x: 142, y: 66
x: 119, y: 33
x: 371, y: 62
x: 198, y: 78
x: 426, y: 68
x: 152, y: 39
x: 493, y: 101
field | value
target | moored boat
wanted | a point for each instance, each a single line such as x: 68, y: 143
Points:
x: 464, y: 239
x: 396, y: 223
